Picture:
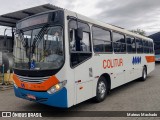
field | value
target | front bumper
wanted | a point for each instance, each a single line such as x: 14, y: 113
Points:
x: 58, y: 99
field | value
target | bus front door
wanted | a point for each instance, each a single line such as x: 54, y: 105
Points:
x: 83, y: 79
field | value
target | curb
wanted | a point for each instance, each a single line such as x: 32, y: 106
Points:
x: 5, y: 87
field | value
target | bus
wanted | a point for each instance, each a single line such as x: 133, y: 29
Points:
x: 157, y: 50
x: 62, y: 58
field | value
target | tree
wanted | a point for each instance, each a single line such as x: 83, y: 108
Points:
x: 139, y: 31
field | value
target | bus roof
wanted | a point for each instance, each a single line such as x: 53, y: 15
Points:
x: 11, y: 19
x: 109, y: 26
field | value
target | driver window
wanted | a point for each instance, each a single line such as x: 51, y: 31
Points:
x: 84, y: 53
x: 85, y: 44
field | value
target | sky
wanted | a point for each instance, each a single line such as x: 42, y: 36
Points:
x: 128, y: 14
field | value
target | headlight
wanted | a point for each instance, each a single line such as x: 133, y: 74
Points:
x: 15, y: 84
x: 57, y: 87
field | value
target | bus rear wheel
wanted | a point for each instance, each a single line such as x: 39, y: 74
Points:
x: 102, y: 89
x: 144, y: 74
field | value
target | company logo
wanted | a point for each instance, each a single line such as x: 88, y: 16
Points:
x: 112, y: 63
x: 136, y: 60
x: 6, y: 114
x: 20, y: 114
x: 22, y: 85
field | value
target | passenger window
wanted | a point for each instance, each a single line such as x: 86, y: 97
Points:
x: 101, y: 40
x: 146, y: 46
x: 131, y: 46
x: 150, y: 47
x: 119, y: 42
x: 139, y: 45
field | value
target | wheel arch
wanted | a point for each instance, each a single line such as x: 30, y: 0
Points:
x: 108, y: 79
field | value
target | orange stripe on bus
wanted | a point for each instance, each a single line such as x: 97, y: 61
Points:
x: 44, y: 86
x: 150, y: 59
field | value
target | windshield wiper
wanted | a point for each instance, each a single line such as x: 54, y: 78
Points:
x: 39, y: 37
x: 23, y: 40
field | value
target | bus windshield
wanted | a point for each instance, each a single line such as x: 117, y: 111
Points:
x: 39, y: 49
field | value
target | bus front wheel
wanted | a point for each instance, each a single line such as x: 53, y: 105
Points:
x: 102, y: 89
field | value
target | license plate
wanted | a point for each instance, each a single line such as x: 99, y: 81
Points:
x: 31, y: 97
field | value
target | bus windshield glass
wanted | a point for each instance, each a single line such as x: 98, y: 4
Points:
x: 39, y: 49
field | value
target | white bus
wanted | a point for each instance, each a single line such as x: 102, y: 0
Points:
x: 62, y: 58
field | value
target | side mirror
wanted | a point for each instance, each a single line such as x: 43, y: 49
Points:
x: 71, y: 33
x: 79, y: 34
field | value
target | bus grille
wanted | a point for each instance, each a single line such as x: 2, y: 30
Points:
x: 33, y: 79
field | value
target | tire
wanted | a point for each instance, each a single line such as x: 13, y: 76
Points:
x: 101, y: 90
x: 144, y: 74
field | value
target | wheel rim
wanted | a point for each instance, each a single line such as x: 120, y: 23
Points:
x: 101, y: 89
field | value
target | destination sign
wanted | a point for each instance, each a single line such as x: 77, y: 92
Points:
x: 41, y: 19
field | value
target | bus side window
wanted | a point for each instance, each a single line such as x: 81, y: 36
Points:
x: 139, y: 45
x: 80, y: 55
x: 101, y: 40
x: 131, y: 47
x: 85, y: 44
x: 119, y: 42
x: 151, y: 47
x: 146, y: 46
x: 72, y: 40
